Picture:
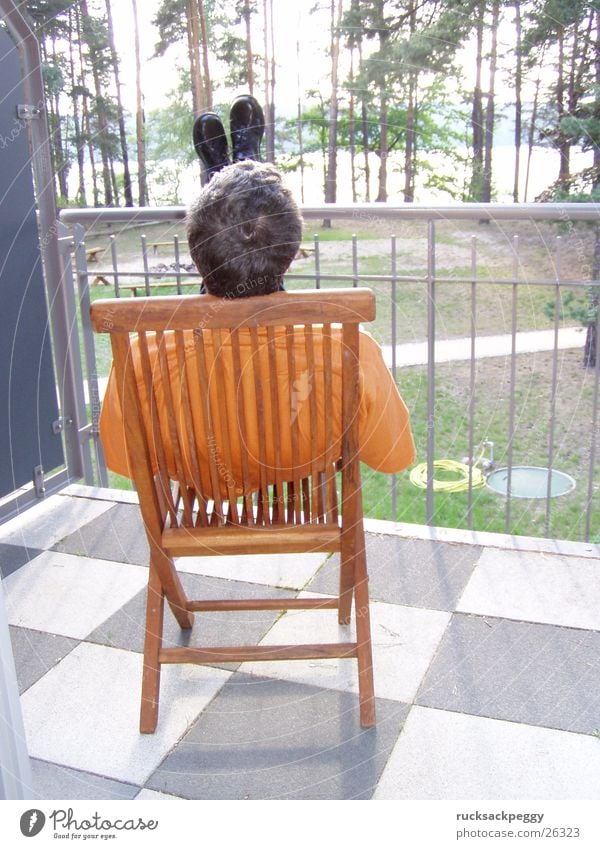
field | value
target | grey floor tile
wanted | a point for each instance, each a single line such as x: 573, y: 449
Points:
x: 126, y: 628
x: 12, y: 557
x: 266, y: 739
x: 51, y: 781
x: 419, y: 573
x: 118, y: 534
x: 524, y: 672
x: 36, y: 652
x: 50, y: 520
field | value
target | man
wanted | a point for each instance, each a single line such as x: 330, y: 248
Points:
x: 244, y: 230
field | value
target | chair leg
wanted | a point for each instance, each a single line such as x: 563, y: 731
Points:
x: 171, y: 583
x: 346, y: 590
x: 363, y: 638
x: 155, y: 606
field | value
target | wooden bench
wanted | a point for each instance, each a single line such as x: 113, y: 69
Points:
x: 156, y: 245
x: 92, y: 254
x: 304, y: 253
x: 139, y: 289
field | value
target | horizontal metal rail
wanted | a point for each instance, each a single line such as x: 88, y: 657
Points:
x: 365, y: 211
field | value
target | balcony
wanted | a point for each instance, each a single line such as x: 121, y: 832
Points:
x: 486, y: 634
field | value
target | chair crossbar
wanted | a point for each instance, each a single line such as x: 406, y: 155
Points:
x: 242, y: 654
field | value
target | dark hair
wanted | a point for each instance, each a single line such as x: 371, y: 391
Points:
x: 244, y: 230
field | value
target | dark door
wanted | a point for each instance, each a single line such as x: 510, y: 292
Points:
x: 28, y: 397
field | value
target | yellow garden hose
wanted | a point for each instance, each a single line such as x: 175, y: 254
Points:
x: 418, y: 476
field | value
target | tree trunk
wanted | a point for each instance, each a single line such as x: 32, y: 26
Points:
x: 53, y: 128
x: 486, y: 194
x: 101, y: 115
x: 410, y: 147
x: 531, y: 133
x: 477, y: 116
x: 121, y: 116
x: 140, y: 129
x: 352, y: 128
x: 331, y: 179
x: 208, y: 99
x: 300, y: 133
x: 86, y: 113
x: 246, y: 14
x: 518, y: 103
x: 364, y: 117
x: 383, y: 146
x: 79, y: 140
x: 563, y: 146
x: 193, y: 29
x: 271, y: 151
x: 269, y: 129
x: 113, y: 180
x: 410, y: 138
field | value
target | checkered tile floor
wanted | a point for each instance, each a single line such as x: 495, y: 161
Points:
x: 487, y: 668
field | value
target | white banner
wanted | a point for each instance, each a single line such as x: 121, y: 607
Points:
x: 292, y: 824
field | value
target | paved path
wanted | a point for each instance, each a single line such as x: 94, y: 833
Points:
x: 451, y: 350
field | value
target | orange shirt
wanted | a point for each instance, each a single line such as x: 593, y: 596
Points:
x: 385, y: 437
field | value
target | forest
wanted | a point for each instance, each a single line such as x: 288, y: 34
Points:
x: 408, y: 81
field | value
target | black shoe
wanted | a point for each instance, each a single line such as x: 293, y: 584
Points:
x: 210, y: 143
x: 246, y: 125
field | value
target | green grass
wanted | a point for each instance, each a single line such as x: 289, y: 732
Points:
x: 491, y: 421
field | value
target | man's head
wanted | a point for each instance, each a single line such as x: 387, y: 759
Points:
x: 244, y: 230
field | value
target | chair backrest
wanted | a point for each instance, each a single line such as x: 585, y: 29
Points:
x: 240, y: 411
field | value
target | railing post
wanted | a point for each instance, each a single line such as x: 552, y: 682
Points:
x: 15, y: 768
x: 430, y: 368
x: 91, y: 432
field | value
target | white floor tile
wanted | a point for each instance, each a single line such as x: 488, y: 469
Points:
x: 46, y: 523
x: 84, y: 713
x: 404, y: 640
x: 146, y: 795
x: 69, y: 595
x: 443, y: 755
x: 535, y: 587
x: 277, y: 570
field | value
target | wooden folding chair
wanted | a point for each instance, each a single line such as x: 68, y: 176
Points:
x: 237, y: 445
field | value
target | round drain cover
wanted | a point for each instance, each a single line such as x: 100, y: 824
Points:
x: 530, y: 482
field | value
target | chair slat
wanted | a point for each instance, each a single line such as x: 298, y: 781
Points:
x: 330, y: 459
x: 308, y: 392
x: 202, y: 374
x: 242, y: 409
x: 263, y: 496
x: 156, y: 438
x: 189, y: 426
x: 295, y: 436
x: 172, y: 425
x: 227, y: 419
x: 277, y: 434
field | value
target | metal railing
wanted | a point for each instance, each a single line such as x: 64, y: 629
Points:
x: 431, y: 276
